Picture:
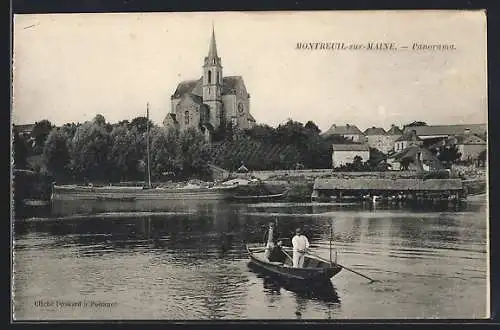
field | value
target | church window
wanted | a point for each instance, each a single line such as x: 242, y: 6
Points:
x: 186, y: 117
x: 209, y: 76
x: 218, y: 78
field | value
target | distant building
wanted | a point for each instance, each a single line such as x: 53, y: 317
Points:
x: 378, y: 138
x: 345, y: 153
x: 407, y: 140
x: 24, y: 130
x: 414, y: 158
x: 212, y: 100
x: 395, y: 131
x: 350, y: 132
x: 468, y: 145
x: 436, y: 131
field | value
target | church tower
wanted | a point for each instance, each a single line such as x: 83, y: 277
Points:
x: 212, y: 83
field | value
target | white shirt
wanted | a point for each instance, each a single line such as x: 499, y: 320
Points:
x: 300, y: 243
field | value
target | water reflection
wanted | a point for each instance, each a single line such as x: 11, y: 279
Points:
x: 192, y: 263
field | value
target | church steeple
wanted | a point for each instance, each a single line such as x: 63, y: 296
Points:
x: 212, y: 58
x: 212, y: 51
x: 212, y: 82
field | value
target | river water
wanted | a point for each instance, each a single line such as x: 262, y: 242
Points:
x: 188, y: 261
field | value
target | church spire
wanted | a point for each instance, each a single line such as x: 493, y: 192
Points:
x: 212, y: 51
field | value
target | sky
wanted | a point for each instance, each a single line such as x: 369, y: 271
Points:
x: 70, y: 67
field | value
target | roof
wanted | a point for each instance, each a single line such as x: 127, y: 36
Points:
x: 196, y: 98
x: 350, y: 147
x: 469, y: 139
x: 374, y: 131
x: 343, y: 130
x: 447, y: 129
x: 251, y: 118
x: 229, y: 86
x: 24, y: 128
x: 409, y: 136
x: 411, y: 152
x: 394, y: 130
x: 388, y: 184
x: 187, y: 86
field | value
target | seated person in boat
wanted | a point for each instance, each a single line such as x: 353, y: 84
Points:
x: 277, y: 254
x: 271, y: 236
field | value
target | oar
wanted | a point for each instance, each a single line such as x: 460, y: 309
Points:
x: 287, y: 255
x: 346, y: 268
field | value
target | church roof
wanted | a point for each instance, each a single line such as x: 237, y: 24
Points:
x: 184, y: 87
x: 229, y: 86
x: 196, y: 98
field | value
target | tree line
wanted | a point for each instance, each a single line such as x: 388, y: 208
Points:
x: 100, y: 151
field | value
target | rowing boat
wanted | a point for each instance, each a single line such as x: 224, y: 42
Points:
x: 315, y: 269
x: 259, y: 198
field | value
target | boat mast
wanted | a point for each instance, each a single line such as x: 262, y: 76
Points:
x: 331, y: 238
x: 147, y: 144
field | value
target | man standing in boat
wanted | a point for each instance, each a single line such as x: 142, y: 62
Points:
x: 300, y: 245
x: 272, y: 238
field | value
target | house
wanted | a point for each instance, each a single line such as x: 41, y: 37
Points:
x: 378, y: 138
x: 350, y: 132
x: 414, y: 158
x: 345, y: 153
x: 24, y: 130
x: 407, y: 140
x: 435, y: 131
x: 468, y: 145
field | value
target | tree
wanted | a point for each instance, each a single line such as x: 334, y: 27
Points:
x: 89, y: 152
x: 482, y: 158
x: 405, y: 163
x: 56, y: 155
x: 194, y: 152
x: 127, y: 150
x: 20, y: 151
x: 164, y: 152
x: 262, y: 132
x: 141, y: 124
x: 312, y: 128
x: 357, y: 164
x: 40, y: 133
x: 448, y: 155
x: 99, y: 120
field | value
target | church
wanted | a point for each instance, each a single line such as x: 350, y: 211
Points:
x: 211, y: 101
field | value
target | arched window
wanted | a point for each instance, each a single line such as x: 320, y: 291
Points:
x: 186, y: 117
x: 209, y: 76
x: 218, y: 77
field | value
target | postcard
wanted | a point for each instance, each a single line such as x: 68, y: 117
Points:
x: 301, y: 165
